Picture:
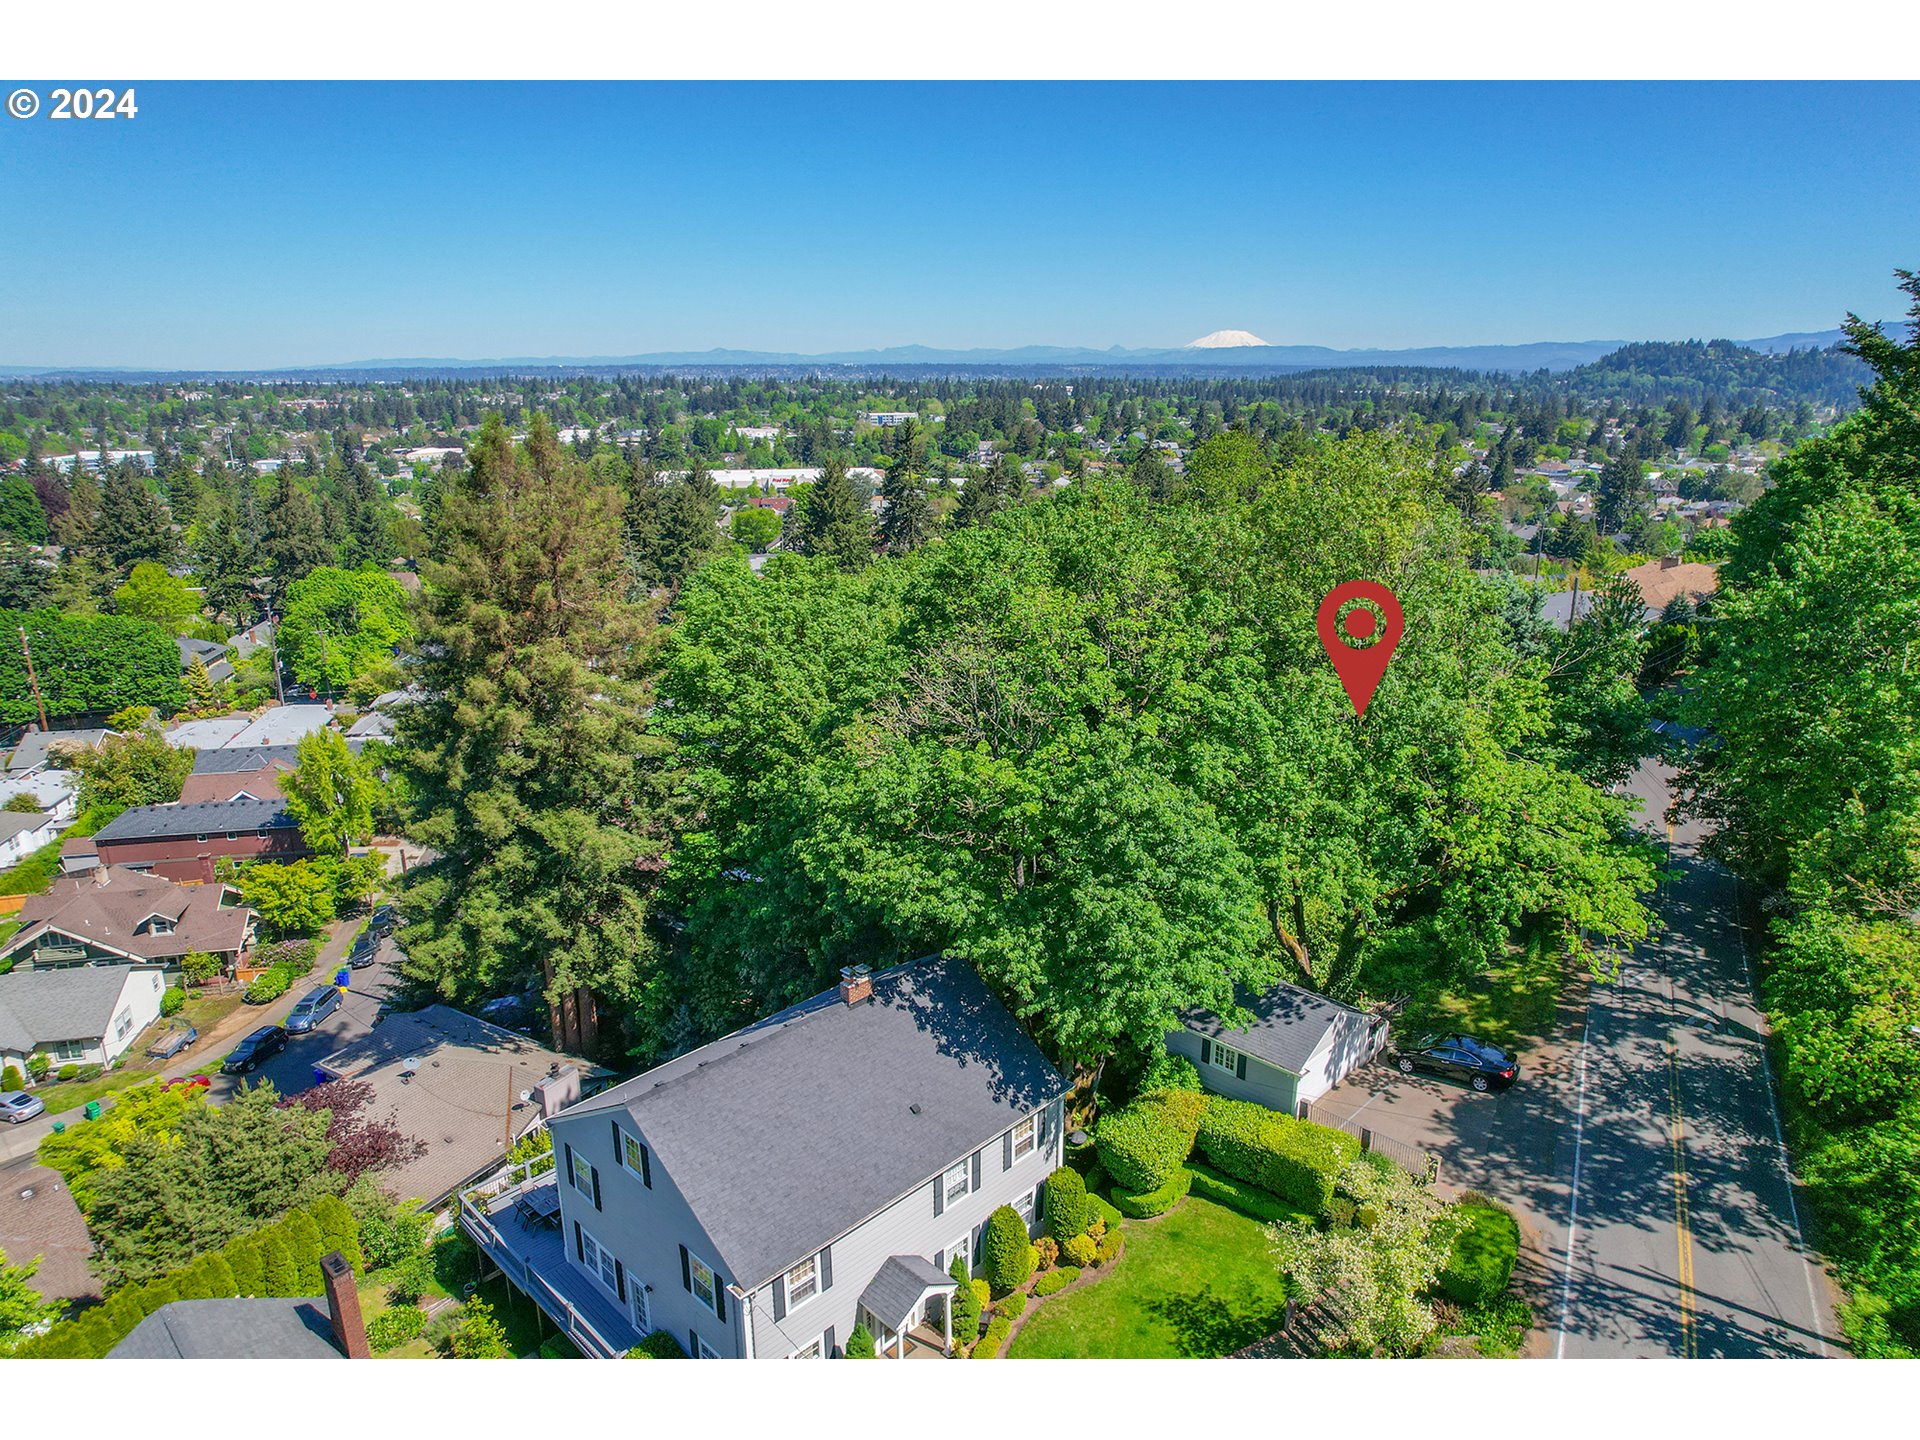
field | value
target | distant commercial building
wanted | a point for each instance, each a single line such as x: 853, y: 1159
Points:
x: 888, y: 418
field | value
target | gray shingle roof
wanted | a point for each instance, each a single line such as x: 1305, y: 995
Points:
x: 898, y: 1285
x: 257, y: 757
x: 254, y: 1329
x: 36, y: 746
x: 1289, y: 1025
x: 784, y: 1136
x: 13, y: 822
x: 70, y: 1003
x: 167, y: 822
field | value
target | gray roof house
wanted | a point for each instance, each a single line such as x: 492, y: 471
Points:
x: 1296, y: 1047
x: 210, y: 653
x: 325, y: 1327
x: 761, y: 1195
x: 85, y: 1014
x: 36, y: 747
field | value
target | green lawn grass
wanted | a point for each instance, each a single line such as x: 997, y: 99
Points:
x: 1197, y: 1283
x: 72, y: 1094
x: 1512, y: 1006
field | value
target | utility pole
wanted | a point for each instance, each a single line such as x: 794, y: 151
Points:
x: 26, y: 652
x: 273, y: 646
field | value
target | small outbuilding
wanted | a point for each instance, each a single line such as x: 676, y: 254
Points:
x: 1297, y: 1046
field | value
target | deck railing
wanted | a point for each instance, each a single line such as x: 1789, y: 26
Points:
x: 475, y: 1220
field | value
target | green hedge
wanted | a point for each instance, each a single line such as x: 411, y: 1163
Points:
x: 1102, y: 1210
x: 1014, y: 1306
x: 1054, y: 1281
x: 1148, y: 1203
x: 989, y: 1345
x: 1481, y: 1265
x: 1250, y: 1200
x: 1067, y: 1210
x: 391, y: 1329
x: 1007, y: 1256
x: 660, y: 1345
x: 1142, y: 1145
x: 1108, y: 1248
x: 1295, y: 1159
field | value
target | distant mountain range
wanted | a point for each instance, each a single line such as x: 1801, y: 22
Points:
x: 1222, y: 351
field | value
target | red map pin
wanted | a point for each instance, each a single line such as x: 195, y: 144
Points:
x: 1360, y: 669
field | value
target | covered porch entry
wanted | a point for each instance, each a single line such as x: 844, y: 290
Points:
x: 908, y: 1308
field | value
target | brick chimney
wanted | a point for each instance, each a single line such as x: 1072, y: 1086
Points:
x: 1669, y: 562
x: 343, y: 1306
x: 856, y: 984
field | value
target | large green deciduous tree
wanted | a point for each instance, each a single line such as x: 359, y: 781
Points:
x: 86, y: 663
x: 526, y: 764
x: 342, y: 623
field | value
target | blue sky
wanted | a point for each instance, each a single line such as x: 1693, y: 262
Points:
x: 253, y: 224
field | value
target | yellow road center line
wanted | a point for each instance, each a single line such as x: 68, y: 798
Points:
x: 1689, y: 1339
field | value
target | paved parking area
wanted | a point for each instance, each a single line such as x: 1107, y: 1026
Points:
x: 291, y: 1071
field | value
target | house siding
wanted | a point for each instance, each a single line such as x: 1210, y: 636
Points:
x: 645, y: 1228
x: 906, y: 1227
x: 188, y: 859
x: 1265, y: 1084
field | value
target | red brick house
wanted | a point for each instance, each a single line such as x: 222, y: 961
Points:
x: 184, y: 842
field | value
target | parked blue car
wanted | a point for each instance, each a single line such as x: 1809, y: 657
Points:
x: 312, y: 1008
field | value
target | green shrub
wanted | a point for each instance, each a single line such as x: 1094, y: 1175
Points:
x: 989, y: 1345
x: 280, y: 1275
x: 1145, y: 1143
x: 1340, y: 1214
x: 1006, y: 1254
x: 859, y: 1344
x: 1079, y: 1251
x: 1147, y: 1204
x: 37, y: 1066
x: 70, y: 1072
x: 1096, y: 1177
x: 410, y: 1279
x: 12, y: 1079
x: 1501, y: 1325
x: 267, y: 987
x: 1102, y: 1211
x: 1167, y: 1071
x: 1294, y: 1159
x: 1481, y: 1265
x: 660, y: 1345
x: 966, y: 1304
x: 1249, y: 1200
x: 478, y: 1336
x: 249, y: 1274
x: 1054, y: 1281
x: 1013, y: 1307
x: 1068, y: 1212
x: 391, y: 1329
x: 1108, y: 1247
x: 172, y: 1000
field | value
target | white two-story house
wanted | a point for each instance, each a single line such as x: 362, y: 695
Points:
x: 762, y: 1195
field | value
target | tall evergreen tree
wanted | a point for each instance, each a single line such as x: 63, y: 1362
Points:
x: 834, y: 523
x: 907, y: 522
x: 527, y: 763
x: 293, y: 540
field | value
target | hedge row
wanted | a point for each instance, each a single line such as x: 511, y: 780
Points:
x: 1145, y: 1204
x: 988, y: 1346
x: 282, y: 1259
x: 1294, y: 1159
x: 1054, y: 1281
x: 1143, y: 1145
x: 1250, y: 1200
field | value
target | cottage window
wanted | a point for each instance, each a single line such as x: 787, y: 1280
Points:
x: 956, y: 1181
x: 1023, y: 1207
x: 701, y: 1277
x: 1024, y: 1136
x: 122, y: 1025
x: 1225, y: 1057
x: 816, y: 1350
x: 707, y: 1352
x: 633, y: 1155
x: 803, y: 1282
x: 582, y: 1174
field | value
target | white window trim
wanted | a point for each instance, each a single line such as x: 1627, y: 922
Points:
x: 1031, y: 1200
x: 1032, y: 1126
x: 642, y: 1308
x: 793, y: 1304
x: 600, y: 1254
x: 707, y: 1352
x: 694, y: 1265
x: 818, y: 1342
x: 1231, y: 1064
x: 625, y: 1163
x: 965, y: 1171
x: 580, y: 1162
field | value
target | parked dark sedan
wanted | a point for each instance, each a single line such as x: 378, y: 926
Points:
x: 259, y: 1047
x: 311, y: 1008
x: 172, y: 1041
x: 1459, y: 1057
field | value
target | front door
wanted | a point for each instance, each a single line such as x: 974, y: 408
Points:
x: 642, y: 1318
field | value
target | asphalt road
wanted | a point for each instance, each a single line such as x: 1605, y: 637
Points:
x: 1640, y: 1149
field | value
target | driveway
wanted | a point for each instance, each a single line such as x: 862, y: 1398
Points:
x: 1641, y: 1148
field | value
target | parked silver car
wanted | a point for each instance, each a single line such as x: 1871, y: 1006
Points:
x: 18, y: 1105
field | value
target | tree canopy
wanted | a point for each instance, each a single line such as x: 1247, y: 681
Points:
x: 342, y: 623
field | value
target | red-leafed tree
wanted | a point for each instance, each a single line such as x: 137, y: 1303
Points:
x: 358, y: 1142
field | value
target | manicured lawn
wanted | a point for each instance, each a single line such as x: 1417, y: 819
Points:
x: 72, y: 1094
x: 1197, y: 1283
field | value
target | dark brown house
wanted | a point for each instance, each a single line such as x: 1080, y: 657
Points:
x: 184, y: 842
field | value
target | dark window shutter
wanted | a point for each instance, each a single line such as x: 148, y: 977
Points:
x: 693, y: 1344
x: 826, y: 1268
x: 719, y: 1300
x: 1039, y: 1202
x: 646, y: 1168
x: 686, y: 1272
x: 620, y: 1281
x: 940, y: 1193
x: 780, y: 1297
x: 619, y: 1150
x: 1006, y: 1151
x: 579, y: 1247
x: 594, y: 1170
x: 976, y: 1168
x: 570, y: 1179
x: 1240, y: 1068
x: 1206, y: 1052
x: 826, y: 1343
